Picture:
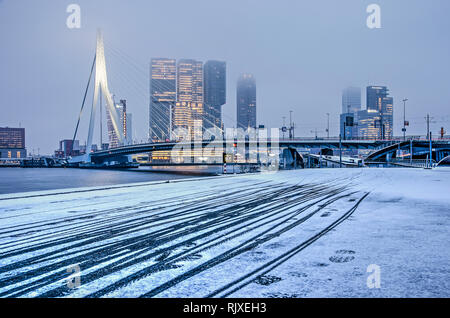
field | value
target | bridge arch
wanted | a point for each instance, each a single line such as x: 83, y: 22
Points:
x: 444, y: 162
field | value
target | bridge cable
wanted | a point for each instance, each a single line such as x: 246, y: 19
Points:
x: 82, y: 105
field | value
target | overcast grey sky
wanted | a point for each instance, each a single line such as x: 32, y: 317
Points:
x: 302, y: 53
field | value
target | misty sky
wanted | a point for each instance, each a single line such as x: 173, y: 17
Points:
x: 302, y: 53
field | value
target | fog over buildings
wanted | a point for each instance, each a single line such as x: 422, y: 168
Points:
x: 301, y: 53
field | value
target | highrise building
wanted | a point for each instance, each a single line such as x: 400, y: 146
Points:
x: 188, y: 111
x: 189, y: 117
x: 190, y: 81
x: 129, y: 128
x: 387, y: 117
x: 351, y: 104
x: 351, y: 100
x: 214, y: 93
x: 375, y: 95
x: 246, y: 102
x: 368, y: 124
x: 348, y: 126
x: 121, y: 110
x: 163, y: 94
x: 378, y: 100
x: 377, y: 121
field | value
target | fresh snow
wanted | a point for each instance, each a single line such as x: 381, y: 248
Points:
x: 302, y: 233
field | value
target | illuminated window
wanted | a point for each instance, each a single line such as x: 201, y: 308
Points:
x: 9, y: 154
x: 18, y: 154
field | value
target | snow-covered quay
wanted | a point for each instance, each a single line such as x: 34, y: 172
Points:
x: 304, y: 233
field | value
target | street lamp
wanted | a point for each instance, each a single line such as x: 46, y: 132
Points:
x: 404, y: 118
x: 328, y: 125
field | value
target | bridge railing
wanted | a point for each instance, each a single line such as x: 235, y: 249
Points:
x: 312, y: 139
x: 421, y: 163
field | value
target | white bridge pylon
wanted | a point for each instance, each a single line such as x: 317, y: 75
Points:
x: 101, y: 83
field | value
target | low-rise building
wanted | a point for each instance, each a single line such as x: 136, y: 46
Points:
x: 12, y: 143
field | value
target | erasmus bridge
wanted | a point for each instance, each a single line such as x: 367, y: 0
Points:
x: 382, y: 150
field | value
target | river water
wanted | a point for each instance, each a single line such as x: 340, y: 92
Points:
x: 14, y: 180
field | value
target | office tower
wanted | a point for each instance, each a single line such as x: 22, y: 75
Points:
x: 162, y: 97
x: 351, y: 104
x: 190, y: 81
x: 121, y: 110
x: 351, y: 100
x: 189, y: 117
x: 188, y: 111
x: 214, y: 93
x: 387, y: 116
x: 246, y: 102
x: 368, y: 124
x: 348, y: 125
x: 12, y: 143
x: 129, y: 128
x: 375, y: 95
x: 378, y: 100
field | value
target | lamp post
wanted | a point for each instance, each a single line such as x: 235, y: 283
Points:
x: 291, y: 126
x: 404, y: 118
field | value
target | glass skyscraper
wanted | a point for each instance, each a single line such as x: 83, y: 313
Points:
x: 246, y: 102
x: 122, y: 114
x: 188, y: 110
x: 351, y: 100
x: 163, y: 74
x: 351, y: 105
x: 368, y: 124
x: 377, y: 121
x: 190, y: 81
x: 214, y: 92
x: 375, y: 95
x: 378, y: 100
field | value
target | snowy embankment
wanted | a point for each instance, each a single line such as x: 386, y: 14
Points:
x: 304, y: 233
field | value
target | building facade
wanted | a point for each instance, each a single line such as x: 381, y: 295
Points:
x: 189, y: 108
x: 351, y: 105
x: 129, y: 128
x: 163, y: 94
x: 12, y: 143
x: 246, y: 102
x: 188, y: 121
x: 348, y: 127
x: 387, y: 117
x: 121, y: 110
x: 368, y: 124
x: 68, y: 147
x: 190, y: 81
x: 378, y: 99
x: 214, y: 85
x: 351, y: 100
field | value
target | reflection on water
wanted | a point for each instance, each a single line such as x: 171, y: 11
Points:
x: 13, y: 180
